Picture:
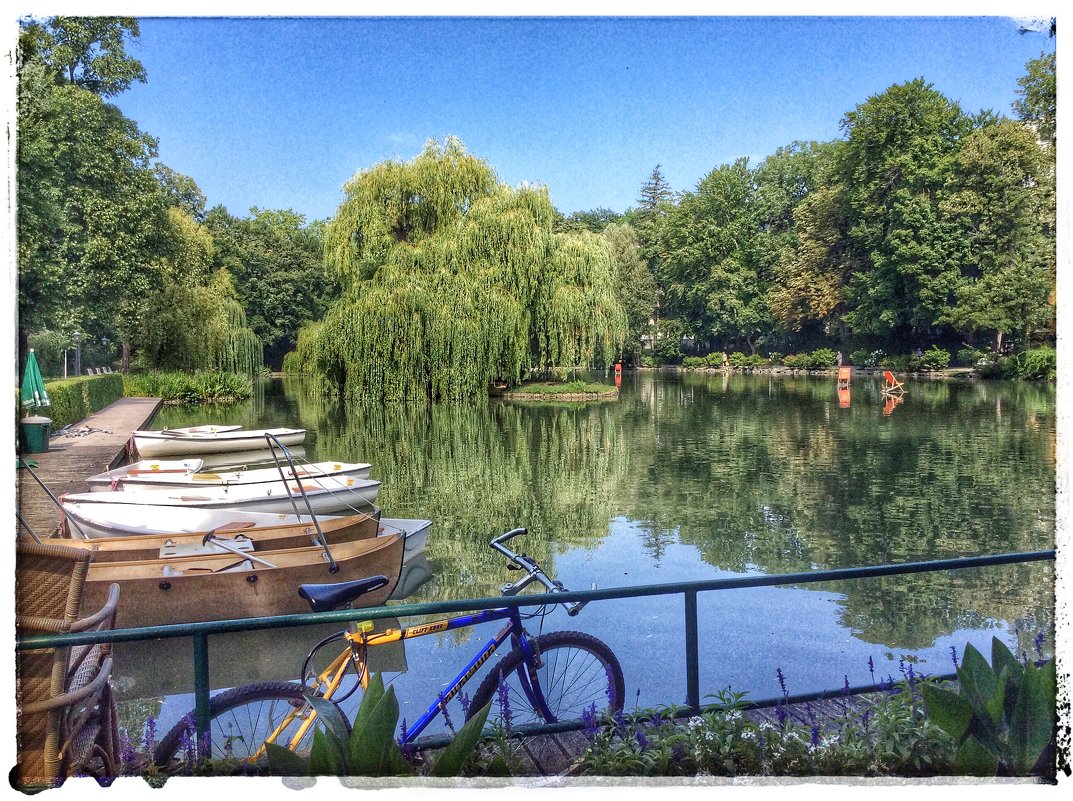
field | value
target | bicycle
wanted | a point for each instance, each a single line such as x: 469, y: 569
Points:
x: 549, y: 678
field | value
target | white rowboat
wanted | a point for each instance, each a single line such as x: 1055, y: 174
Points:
x: 149, y: 474
x: 176, y: 442
x: 92, y: 520
x: 327, y: 496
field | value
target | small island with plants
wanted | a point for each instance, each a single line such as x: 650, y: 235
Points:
x: 561, y: 390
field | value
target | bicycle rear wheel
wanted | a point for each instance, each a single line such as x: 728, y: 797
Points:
x: 240, y: 719
x: 577, y: 673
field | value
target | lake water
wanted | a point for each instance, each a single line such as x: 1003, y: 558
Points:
x: 690, y: 476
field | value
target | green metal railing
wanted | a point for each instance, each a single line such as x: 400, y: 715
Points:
x: 690, y: 591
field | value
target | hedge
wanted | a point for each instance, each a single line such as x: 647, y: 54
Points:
x: 75, y: 399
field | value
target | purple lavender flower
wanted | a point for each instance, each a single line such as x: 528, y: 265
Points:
x: 591, y: 721
x: 1037, y: 643
x: 446, y: 714
x: 150, y: 735
x: 954, y: 657
x: 780, y: 710
x: 127, y: 755
x: 678, y: 752
x: 872, y: 669
x: 465, y: 701
x: 1024, y: 657
x: 642, y: 741
x: 657, y: 719
x: 503, y: 699
x: 186, y: 741
x: 815, y: 734
x: 866, y: 718
x: 782, y: 681
x: 404, y: 744
x: 620, y: 721
x: 845, y: 685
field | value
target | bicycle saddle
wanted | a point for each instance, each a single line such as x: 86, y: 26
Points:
x: 326, y: 597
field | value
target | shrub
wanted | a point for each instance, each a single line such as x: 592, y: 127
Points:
x: 200, y: 387
x: 75, y: 399
x: 899, y: 363
x: 968, y: 356
x: 694, y: 361
x: 934, y: 358
x: 822, y: 358
x: 1038, y: 363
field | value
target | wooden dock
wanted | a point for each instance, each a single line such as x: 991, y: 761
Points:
x: 96, y: 444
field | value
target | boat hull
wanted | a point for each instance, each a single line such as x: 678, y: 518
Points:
x: 153, y: 475
x: 92, y: 520
x: 327, y: 496
x: 166, y: 591
x: 153, y: 444
x: 138, y: 547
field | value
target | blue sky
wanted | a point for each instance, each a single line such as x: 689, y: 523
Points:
x: 279, y: 112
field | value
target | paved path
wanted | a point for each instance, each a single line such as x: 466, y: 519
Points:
x: 96, y: 444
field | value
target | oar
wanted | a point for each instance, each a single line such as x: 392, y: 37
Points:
x: 227, y: 547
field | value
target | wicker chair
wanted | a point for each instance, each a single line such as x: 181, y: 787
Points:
x: 66, y: 712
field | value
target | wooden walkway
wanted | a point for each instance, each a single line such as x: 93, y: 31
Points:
x: 96, y: 444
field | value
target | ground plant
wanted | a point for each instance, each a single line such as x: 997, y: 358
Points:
x: 209, y: 386
x: 998, y: 721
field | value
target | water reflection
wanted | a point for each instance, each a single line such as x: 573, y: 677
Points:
x: 698, y: 475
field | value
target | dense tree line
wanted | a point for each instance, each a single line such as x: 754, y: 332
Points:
x: 921, y: 225
x: 117, y: 246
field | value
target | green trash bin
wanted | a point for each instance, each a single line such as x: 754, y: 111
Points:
x: 35, y: 433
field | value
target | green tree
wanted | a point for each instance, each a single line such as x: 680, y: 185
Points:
x: 656, y: 194
x: 94, y: 233
x: 277, y: 262
x: 708, y: 260
x: 90, y: 52
x: 595, y: 221
x: 999, y: 196
x: 900, y: 147
x: 1038, y: 101
x: 635, y: 287
x: 181, y: 191
x: 453, y: 281
x: 802, y: 238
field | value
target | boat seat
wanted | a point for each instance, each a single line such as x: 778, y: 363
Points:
x: 326, y: 597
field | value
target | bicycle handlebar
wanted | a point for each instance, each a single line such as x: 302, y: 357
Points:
x: 533, y: 571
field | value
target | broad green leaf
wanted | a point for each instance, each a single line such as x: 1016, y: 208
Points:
x: 326, y: 758
x: 978, y: 681
x: 973, y: 759
x: 1001, y: 657
x: 454, y: 756
x: 373, y: 693
x: 284, y: 762
x: 948, y: 710
x: 1032, y: 721
x: 331, y: 719
x: 373, y: 746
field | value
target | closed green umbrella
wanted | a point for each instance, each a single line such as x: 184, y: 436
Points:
x: 33, y: 385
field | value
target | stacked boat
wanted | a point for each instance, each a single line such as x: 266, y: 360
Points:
x: 187, y: 544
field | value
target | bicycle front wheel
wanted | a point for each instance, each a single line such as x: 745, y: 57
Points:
x: 240, y: 720
x: 576, y: 673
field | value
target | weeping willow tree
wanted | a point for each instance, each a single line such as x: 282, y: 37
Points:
x: 454, y: 282
x: 200, y: 328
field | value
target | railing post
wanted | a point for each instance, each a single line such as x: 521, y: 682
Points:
x: 201, y: 685
x: 692, y: 652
